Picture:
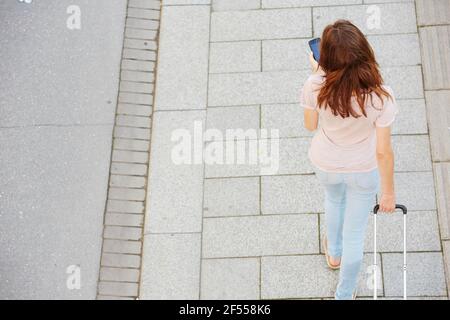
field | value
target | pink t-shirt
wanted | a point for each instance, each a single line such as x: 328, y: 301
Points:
x: 346, y: 145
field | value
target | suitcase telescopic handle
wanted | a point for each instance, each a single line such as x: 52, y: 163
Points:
x: 397, y: 206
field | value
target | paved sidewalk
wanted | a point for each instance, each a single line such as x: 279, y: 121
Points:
x: 216, y: 231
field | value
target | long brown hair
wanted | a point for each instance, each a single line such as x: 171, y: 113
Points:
x: 351, y: 69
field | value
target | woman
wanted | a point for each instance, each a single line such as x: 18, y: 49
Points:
x: 351, y: 149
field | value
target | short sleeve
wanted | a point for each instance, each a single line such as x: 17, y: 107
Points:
x: 307, y: 99
x: 388, y: 113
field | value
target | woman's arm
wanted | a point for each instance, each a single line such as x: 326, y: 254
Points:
x: 385, y: 158
x: 311, y: 119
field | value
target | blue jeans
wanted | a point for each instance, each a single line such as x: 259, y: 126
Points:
x: 349, y: 199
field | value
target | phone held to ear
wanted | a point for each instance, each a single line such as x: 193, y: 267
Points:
x: 314, y: 44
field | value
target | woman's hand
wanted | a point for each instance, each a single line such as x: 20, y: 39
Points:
x: 387, y: 203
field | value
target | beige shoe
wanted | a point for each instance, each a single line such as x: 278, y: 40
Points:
x: 327, y: 257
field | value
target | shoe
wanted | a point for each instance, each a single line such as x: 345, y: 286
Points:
x: 327, y: 257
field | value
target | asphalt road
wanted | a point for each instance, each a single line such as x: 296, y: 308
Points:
x: 58, y: 90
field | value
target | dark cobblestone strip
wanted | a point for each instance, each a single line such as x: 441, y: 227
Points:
x: 124, y: 215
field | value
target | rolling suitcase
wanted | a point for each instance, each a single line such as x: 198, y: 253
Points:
x: 375, y: 267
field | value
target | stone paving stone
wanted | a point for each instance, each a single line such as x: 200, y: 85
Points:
x: 136, y: 169
x: 230, y: 279
x: 260, y: 24
x: 143, y: 13
x: 231, y: 197
x: 287, y: 118
x: 131, y: 133
x: 422, y: 232
x: 136, y: 65
x: 290, y: 54
x: 386, y: 49
x: 145, y: 55
x: 231, y: 167
x: 183, y: 58
x: 121, y: 246
x: 412, y: 153
x: 234, y: 89
x: 142, y: 24
x: 125, y: 206
x: 415, y: 190
x: 124, y: 219
x: 136, y: 98
x: 293, y: 156
x: 130, y: 109
x: 241, y: 56
x: 305, y: 276
x: 126, y: 194
x: 122, y: 233
x: 435, y: 57
x: 126, y: 181
x: 438, y: 110
x: 446, y: 249
x: 433, y: 12
x: 305, y: 3
x: 394, y: 17
x: 425, y: 274
x: 406, y: 81
x: 260, y: 235
x: 138, y: 76
x: 140, y: 34
x: 118, y: 288
x: 174, y: 187
x: 442, y: 178
x: 231, y: 5
x: 291, y: 194
x: 133, y: 121
x: 130, y: 156
x: 412, y: 117
x: 184, y: 2
x: 140, y: 43
x: 120, y: 260
x: 232, y: 118
x: 146, y: 4
x: 136, y: 87
x: 119, y: 274
x: 131, y: 144
x: 102, y: 297
x: 171, y: 267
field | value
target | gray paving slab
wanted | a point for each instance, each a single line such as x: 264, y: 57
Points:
x: 305, y: 276
x: 171, y: 267
x: 122, y: 246
x: 183, y: 58
x: 422, y: 232
x: 406, y: 81
x: 118, y: 288
x: 175, y: 191
x: 446, y: 252
x: 260, y: 24
x: 255, y: 88
x: 386, y: 49
x: 293, y: 156
x: 415, y: 190
x: 119, y: 274
x: 231, y: 197
x: 433, y: 12
x: 232, y: 118
x: 260, y: 235
x: 291, y: 194
x: 232, y: 279
x: 288, y: 54
x: 185, y: 2
x: 412, y: 117
x: 53, y: 188
x: 435, y: 57
x: 366, y: 17
x: 412, y: 153
x: 425, y: 274
x: 438, y: 112
x: 442, y: 180
x: 287, y: 118
x: 233, y: 5
x: 305, y: 3
x: 235, y: 56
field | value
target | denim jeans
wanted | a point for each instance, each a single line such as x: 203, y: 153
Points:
x: 349, y: 199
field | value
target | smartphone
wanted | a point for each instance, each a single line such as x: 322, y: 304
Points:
x: 314, y: 44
